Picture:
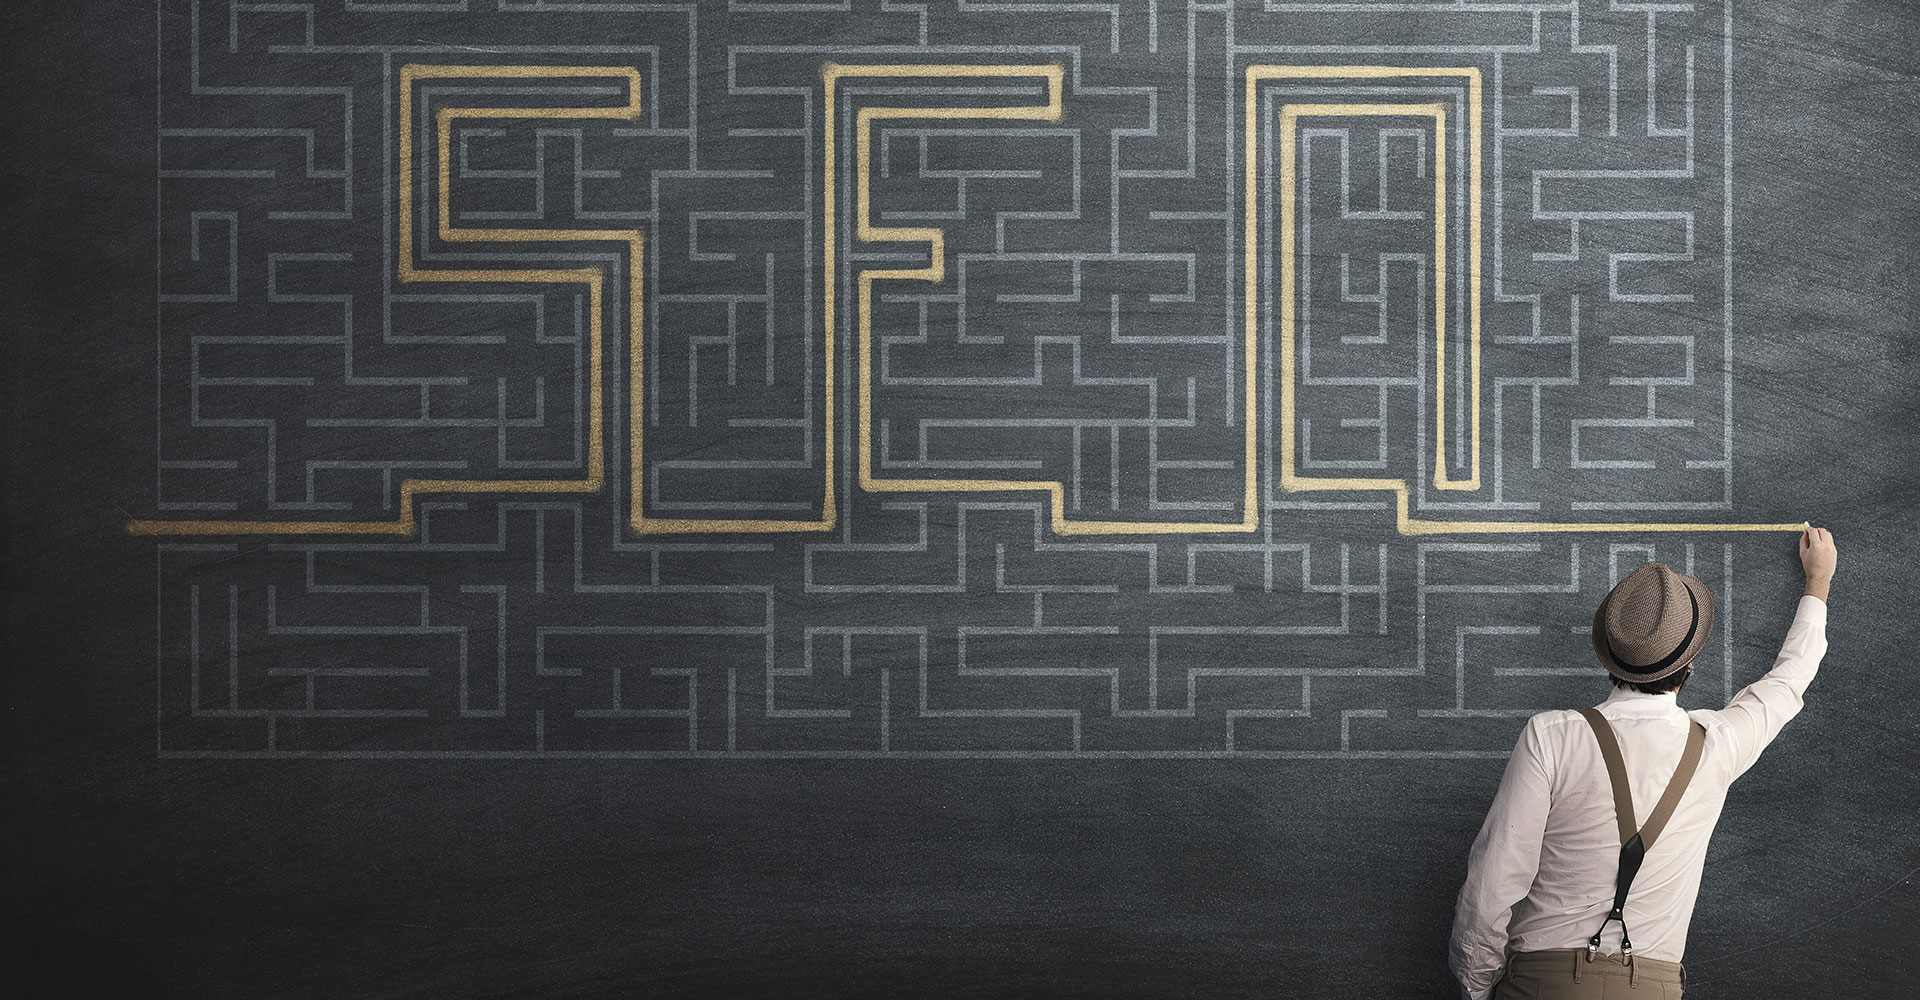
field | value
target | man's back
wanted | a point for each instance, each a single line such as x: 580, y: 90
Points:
x: 1549, y: 850
x: 1580, y: 847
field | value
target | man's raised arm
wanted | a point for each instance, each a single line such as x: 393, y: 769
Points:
x: 1756, y: 715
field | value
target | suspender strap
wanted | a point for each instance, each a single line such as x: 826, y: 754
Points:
x: 1676, y: 786
x: 1634, y: 843
x: 1616, y: 771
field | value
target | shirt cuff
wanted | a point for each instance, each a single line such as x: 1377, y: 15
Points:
x: 1812, y: 609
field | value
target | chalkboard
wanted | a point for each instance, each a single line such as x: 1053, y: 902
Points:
x: 876, y: 499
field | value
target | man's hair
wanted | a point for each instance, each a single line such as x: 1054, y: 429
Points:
x: 1671, y: 682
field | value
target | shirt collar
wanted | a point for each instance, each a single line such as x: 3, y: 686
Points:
x: 1627, y: 699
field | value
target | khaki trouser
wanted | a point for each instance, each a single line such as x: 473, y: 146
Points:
x: 1567, y: 975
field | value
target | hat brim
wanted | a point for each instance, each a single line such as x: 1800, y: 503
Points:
x: 1701, y: 595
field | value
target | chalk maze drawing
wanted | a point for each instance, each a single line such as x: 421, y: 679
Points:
x: 803, y: 382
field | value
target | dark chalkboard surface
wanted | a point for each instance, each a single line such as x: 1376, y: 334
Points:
x: 514, y: 499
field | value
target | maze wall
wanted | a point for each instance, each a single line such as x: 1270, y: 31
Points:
x: 977, y: 379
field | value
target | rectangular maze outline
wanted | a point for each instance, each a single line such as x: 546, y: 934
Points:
x: 166, y: 547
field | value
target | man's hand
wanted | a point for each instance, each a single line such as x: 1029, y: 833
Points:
x: 1817, y: 557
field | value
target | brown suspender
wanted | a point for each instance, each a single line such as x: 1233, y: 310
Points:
x: 1635, y: 843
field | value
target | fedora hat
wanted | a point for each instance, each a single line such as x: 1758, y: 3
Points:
x: 1652, y: 623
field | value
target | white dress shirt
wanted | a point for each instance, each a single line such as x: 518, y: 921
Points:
x: 1549, y: 851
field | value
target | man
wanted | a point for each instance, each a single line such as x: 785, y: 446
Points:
x: 1572, y: 834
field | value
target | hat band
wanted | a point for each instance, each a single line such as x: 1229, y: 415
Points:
x: 1675, y: 655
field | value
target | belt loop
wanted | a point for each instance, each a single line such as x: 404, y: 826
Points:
x: 1633, y: 973
x: 1578, y: 960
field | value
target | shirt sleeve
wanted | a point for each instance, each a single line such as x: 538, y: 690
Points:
x: 1756, y: 715
x: 1501, y: 866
